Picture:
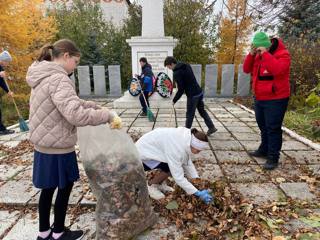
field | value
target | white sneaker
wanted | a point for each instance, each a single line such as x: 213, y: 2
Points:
x: 165, y: 188
x: 154, y: 192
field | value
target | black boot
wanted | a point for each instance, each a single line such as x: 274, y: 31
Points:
x: 271, y: 163
x: 258, y: 154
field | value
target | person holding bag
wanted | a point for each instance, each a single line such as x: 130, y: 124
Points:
x: 55, y: 113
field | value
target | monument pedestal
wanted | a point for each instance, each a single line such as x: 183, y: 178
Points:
x: 156, y: 101
x: 155, y: 49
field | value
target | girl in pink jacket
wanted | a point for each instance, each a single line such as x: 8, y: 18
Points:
x: 55, y: 112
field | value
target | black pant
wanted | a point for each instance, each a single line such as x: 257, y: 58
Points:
x: 60, y: 208
x: 143, y: 102
x: 193, y: 103
x: 2, y: 127
x: 269, y: 116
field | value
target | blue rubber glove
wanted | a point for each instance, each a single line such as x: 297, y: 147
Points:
x: 204, y: 195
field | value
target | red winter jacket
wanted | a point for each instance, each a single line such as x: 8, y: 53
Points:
x: 270, y: 72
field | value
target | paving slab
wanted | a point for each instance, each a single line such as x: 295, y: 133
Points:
x: 11, y: 144
x: 252, y: 124
x: 222, y: 136
x: 88, y: 199
x: 140, y: 129
x: 25, y: 229
x: 206, y: 156
x: 235, y: 157
x: 248, y: 119
x: 247, y: 136
x: 221, y: 116
x: 240, y: 129
x: 297, y: 190
x: 250, y: 145
x: 283, y: 160
x: 9, y: 171
x: 22, y: 137
x: 10, y: 137
x: 259, y: 193
x: 210, y: 172
x: 86, y: 222
x: 244, y: 173
x: 7, y: 219
x: 315, y: 169
x: 234, y: 123
x: 161, y: 233
x: 17, y: 192
x: 142, y: 124
x: 221, y: 130
x: 291, y: 172
x: 294, y: 145
x: 225, y: 145
x: 303, y: 157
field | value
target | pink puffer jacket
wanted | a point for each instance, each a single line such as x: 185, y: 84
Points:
x: 56, y: 110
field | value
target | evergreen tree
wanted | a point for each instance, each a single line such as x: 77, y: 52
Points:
x: 301, y: 19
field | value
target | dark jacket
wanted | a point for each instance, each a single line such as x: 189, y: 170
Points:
x: 3, y: 85
x: 146, y: 78
x: 270, y: 72
x: 186, y: 81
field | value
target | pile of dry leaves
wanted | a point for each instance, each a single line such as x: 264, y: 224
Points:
x: 16, y: 154
x: 229, y: 215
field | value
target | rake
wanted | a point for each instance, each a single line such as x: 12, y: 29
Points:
x: 149, y: 112
x: 22, y: 123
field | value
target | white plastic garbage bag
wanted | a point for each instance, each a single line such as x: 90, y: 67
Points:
x: 116, y: 176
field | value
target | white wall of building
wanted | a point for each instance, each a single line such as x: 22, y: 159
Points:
x: 113, y: 10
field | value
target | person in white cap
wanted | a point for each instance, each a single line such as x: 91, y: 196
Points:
x: 169, y: 150
x: 5, y: 59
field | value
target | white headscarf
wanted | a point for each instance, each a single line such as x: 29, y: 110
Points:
x: 198, y: 144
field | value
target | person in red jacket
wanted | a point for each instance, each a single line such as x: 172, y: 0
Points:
x: 269, y: 65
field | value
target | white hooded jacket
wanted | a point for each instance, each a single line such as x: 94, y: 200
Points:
x: 172, y: 146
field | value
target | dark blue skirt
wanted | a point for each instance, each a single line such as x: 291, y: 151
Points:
x: 54, y: 170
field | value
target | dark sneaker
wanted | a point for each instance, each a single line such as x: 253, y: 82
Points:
x: 143, y: 114
x: 258, y: 154
x: 70, y: 235
x: 47, y: 238
x: 6, y: 131
x: 271, y: 164
x: 211, y: 131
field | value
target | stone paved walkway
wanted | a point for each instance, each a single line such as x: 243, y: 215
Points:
x: 228, y: 158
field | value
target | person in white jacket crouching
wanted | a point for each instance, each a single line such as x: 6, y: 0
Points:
x: 170, y: 149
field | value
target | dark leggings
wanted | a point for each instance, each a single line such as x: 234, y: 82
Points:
x: 60, y: 208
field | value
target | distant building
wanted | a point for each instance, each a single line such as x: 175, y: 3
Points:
x: 113, y: 10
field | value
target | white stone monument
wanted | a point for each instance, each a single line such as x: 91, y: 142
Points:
x: 155, y: 47
x: 152, y: 44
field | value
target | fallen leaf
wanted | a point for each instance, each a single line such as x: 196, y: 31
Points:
x: 172, y: 205
x: 279, y: 238
x: 280, y: 180
x: 313, y: 221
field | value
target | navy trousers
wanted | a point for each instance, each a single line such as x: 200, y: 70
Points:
x: 269, y: 116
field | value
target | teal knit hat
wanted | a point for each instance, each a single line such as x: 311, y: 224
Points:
x: 261, y: 39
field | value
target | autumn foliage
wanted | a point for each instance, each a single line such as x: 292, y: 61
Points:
x: 24, y: 29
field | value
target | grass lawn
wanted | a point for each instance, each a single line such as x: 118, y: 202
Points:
x: 304, y: 121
